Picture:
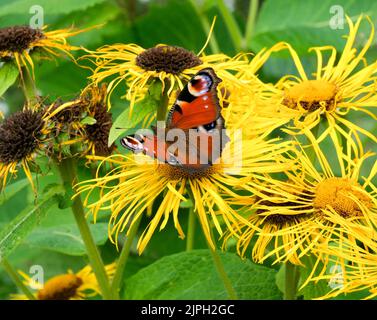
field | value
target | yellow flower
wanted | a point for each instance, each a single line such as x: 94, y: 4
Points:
x: 18, y: 42
x: 23, y: 135
x: 337, y: 87
x: 353, y: 269
x: 171, y: 65
x: 123, y: 190
x: 68, y: 286
x: 291, y: 218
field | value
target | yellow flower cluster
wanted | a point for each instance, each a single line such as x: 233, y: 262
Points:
x: 289, y: 200
x: 275, y: 193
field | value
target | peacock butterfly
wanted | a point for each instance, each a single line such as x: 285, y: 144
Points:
x: 194, y: 133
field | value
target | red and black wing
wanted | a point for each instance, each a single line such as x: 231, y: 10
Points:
x: 197, y: 104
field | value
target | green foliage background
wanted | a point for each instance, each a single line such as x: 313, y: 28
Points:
x: 48, y: 236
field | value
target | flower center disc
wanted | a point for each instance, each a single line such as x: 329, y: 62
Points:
x: 19, y: 135
x: 167, y: 58
x: 338, y: 193
x: 18, y: 38
x: 178, y: 173
x: 311, y: 95
x: 62, y: 287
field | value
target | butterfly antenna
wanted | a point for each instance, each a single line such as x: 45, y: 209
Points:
x: 209, y: 36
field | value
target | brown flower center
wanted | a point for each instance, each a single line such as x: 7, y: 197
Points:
x: 285, y: 219
x: 340, y: 195
x: 311, y: 95
x: 167, y: 58
x: 19, y: 135
x: 181, y: 172
x: 18, y: 38
x: 62, y: 287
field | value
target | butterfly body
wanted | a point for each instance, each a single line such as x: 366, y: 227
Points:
x: 193, y: 136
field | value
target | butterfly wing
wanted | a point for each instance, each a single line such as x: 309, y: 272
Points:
x: 197, y: 104
x: 196, y: 112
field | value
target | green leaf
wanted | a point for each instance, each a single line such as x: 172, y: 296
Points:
x: 8, y: 75
x: 49, y: 6
x: 186, y: 204
x: 126, y: 123
x: 88, y: 120
x: 66, y: 238
x: 189, y: 34
x: 13, y: 234
x: 13, y: 189
x: 304, y: 23
x: 192, y: 275
x: 312, y: 289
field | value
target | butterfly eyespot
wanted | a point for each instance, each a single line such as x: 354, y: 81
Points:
x: 199, y: 85
x: 132, y: 143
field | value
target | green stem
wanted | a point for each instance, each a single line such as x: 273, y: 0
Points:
x: 28, y: 86
x: 291, y: 281
x: 17, y: 280
x: 222, y: 273
x: 67, y: 168
x: 253, y: 10
x: 217, y: 260
x: 123, y: 258
x: 312, y: 156
x: 164, y: 103
x: 232, y: 26
x: 191, y: 229
x: 207, y: 27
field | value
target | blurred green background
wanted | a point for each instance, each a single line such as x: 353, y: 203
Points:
x: 175, y: 22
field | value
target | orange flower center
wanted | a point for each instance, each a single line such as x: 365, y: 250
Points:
x: 341, y: 195
x: 311, y: 95
x: 62, y: 287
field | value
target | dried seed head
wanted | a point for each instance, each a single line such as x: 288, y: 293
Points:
x: 98, y: 133
x: 167, y: 58
x: 67, y: 115
x: 18, y: 38
x: 20, y: 135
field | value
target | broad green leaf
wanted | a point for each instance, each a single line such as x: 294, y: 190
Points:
x: 13, y: 234
x: 13, y: 189
x: 187, y: 31
x: 49, y: 6
x: 126, y: 123
x: 192, y: 275
x: 305, y: 23
x: 66, y: 238
x: 8, y: 75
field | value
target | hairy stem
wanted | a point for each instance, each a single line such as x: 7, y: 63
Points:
x: 232, y: 26
x: 67, y: 168
x: 191, y: 229
x: 222, y: 273
x: 291, y: 281
x: 123, y: 258
x: 250, y: 23
x: 207, y: 27
x: 17, y: 280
